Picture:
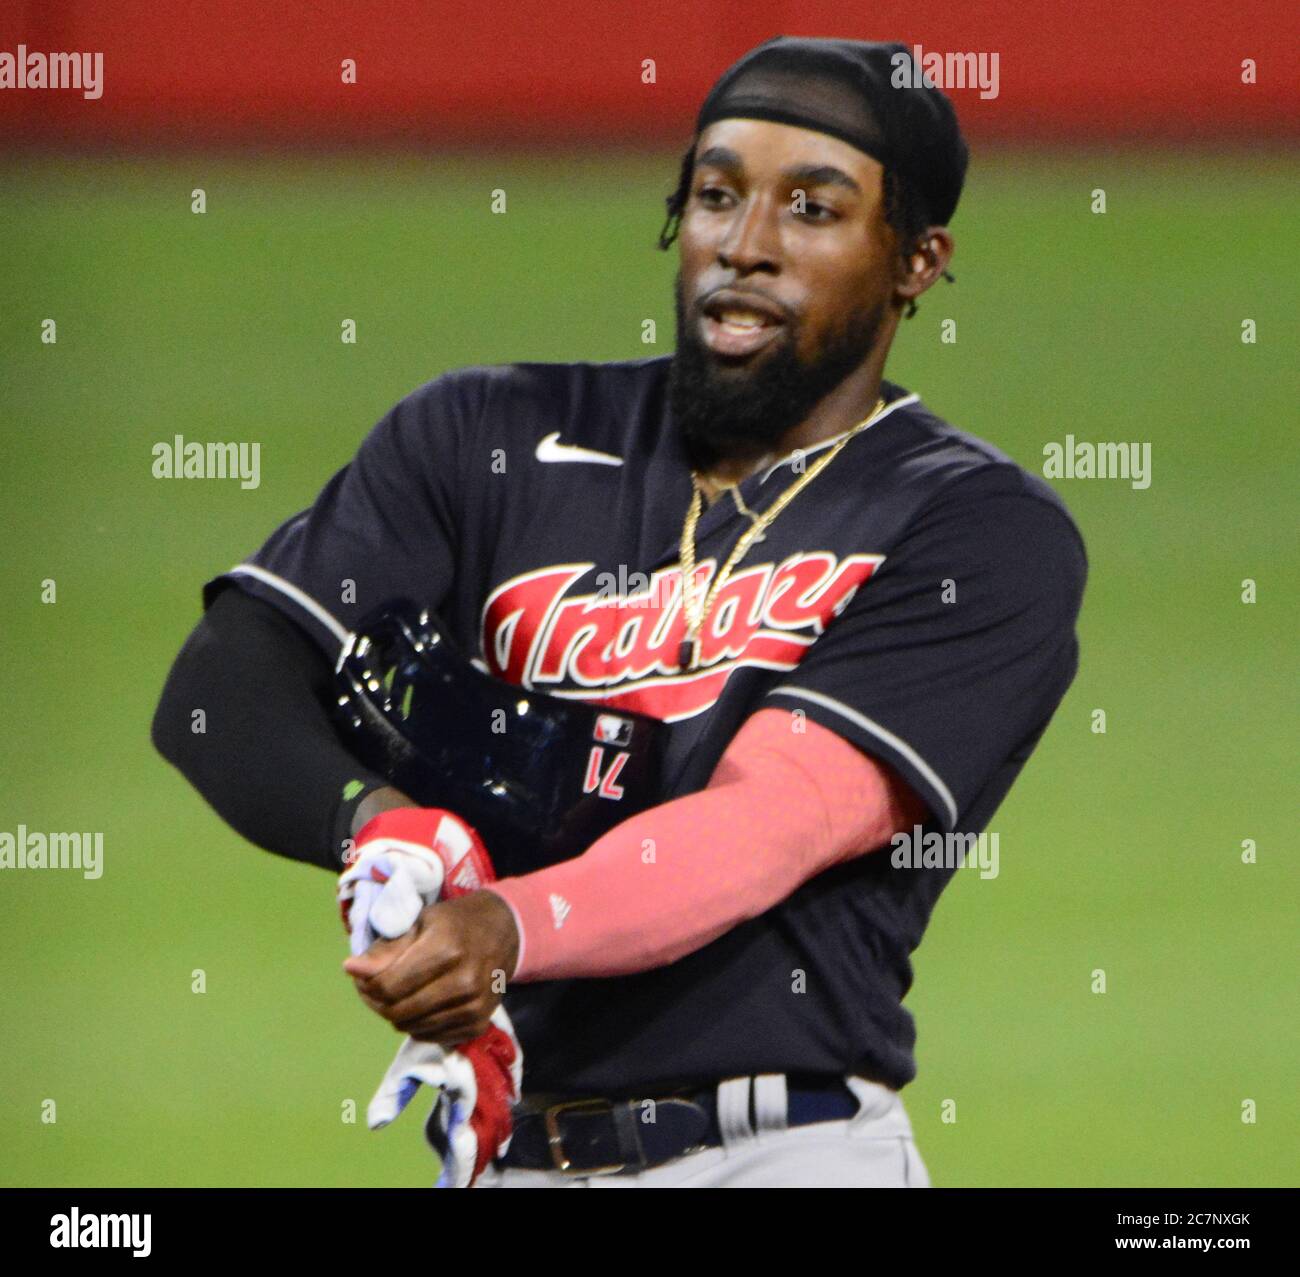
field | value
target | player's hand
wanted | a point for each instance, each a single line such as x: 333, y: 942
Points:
x: 442, y: 981
x: 405, y: 859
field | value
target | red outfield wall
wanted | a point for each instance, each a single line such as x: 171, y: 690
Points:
x: 198, y: 71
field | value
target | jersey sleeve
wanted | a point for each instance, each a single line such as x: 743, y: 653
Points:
x: 383, y: 527
x: 955, y: 654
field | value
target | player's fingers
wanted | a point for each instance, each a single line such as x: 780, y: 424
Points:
x: 431, y: 1001
x: 423, y: 1019
x: 447, y: 1030
x: 382, y: 1006
x: 421, y: 963
x: 368, y: 965
x: 452, y: 991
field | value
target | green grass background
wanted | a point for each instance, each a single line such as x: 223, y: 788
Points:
x: 1119, y: 851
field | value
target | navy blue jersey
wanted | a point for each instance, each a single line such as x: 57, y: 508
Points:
x: 918, y: 597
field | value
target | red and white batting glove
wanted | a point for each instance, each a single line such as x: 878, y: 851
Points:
x: 475, y: 1087
x: 405, y: 859
x: 408, y: 858
x: 498, y: 1063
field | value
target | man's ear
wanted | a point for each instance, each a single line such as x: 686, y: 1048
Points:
x: 924, y: 263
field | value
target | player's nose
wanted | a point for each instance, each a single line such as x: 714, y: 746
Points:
x: 751, y: 241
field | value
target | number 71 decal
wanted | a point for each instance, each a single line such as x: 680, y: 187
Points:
x: 604, y: 785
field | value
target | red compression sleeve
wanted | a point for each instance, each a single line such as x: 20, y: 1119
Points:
x: 780, y: 807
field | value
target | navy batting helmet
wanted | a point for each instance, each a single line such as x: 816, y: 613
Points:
x: 540, y: 777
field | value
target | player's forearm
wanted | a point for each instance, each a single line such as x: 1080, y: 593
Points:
x: 262, y: 752
x: 778, y: 810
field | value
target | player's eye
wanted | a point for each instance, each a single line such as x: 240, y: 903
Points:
x: 815, y: 212
x: 711, y: 196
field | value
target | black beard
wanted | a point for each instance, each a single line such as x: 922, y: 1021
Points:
x: 730, y: 413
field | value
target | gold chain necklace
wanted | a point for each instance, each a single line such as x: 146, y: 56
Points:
x: 695, y: 608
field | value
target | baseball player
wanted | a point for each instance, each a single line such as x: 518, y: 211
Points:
x: 853, y: 620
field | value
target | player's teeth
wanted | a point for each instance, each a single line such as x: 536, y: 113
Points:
x: 732, y: 319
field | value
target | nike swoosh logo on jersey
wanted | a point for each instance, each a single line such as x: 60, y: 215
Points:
x: 551, y: 449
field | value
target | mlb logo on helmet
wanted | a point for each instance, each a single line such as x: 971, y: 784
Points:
x: 612, y: 730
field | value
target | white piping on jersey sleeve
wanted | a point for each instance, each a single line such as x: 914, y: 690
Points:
x: 302, y: 599
x: 882, y: 734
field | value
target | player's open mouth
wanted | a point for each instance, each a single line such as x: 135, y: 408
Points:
x: 731, y: 325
